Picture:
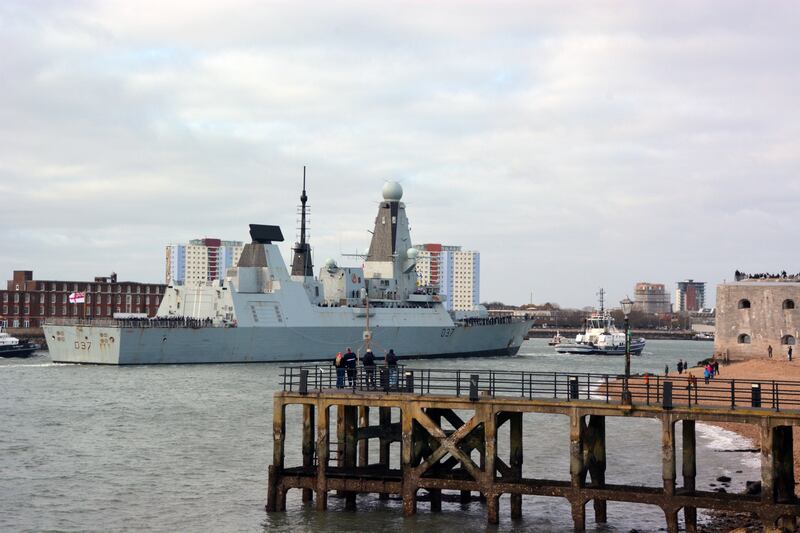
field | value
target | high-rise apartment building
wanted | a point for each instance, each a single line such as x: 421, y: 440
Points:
x: 651, y: 298
x: 690, y: 296
x: 454, y: 272
x: 201, y: 260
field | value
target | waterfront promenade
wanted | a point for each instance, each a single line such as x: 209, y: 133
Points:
x: 448, y: 424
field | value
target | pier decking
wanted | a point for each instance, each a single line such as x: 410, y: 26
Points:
x: 438, y: 442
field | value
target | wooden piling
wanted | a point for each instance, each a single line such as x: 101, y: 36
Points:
x: 385, y: 421
x: 406, y: 466
x: 515, y: 459
x: 323, y: 444
x: 363, y: 443
x: 595, y: 459
x: 689, y: 465
x: 668, y: 454
x: 308, y: 444
x: 350, y: 450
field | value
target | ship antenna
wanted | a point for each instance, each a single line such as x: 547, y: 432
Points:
x: 301, y: 262
x: 601, y: 293
x: 303, y: 200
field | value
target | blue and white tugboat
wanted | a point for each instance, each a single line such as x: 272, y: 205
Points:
x: 600, y: 336
x: 13, y: 347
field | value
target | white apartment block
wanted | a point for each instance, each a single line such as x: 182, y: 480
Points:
x: 201, y: 260
x: 454, y: 272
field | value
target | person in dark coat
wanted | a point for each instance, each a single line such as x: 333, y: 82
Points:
x: 350, y: 365
x: 369, y: 368
x: 391, y: 363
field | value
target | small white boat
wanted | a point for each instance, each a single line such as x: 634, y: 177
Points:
x: 556, y: 340
x: 601, y: 336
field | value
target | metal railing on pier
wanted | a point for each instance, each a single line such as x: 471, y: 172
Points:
x: 666, y: 391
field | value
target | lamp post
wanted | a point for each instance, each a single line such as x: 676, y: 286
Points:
x: 627, y: 306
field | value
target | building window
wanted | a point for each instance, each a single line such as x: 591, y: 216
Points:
x: 64, y: 310
x: 28, y: 298
x: 27, y: 323
x: 41, y: 310
x: 744, y: 304
x: 787, y: 340
x: 119, y: 298
x: 5, y: 309
x: 98, y: 310
x: 788, y: 304
x: 26, y: 310
x: 52, y: 310
x: 16, y: 298
x: 5, y: 296
x: 744, y: 338
x: 41, y: 299
x: 52, y: 298
x: 88, y: 298
x: 63, y: 298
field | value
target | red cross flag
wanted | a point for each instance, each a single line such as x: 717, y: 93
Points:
x: 77, y: 298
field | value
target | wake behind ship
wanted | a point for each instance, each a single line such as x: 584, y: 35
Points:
x: 262, y: 312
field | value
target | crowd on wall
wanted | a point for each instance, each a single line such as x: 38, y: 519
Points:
x: 739, y: 276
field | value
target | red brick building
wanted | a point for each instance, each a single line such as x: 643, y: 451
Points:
x: 27, y: 302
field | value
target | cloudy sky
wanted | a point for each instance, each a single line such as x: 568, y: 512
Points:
x: 576, y: 146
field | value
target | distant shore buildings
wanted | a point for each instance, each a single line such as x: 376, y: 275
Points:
x: 28, y: 302
x: 651, y: 298
x: 455, y: 272
x: 201, y: 260
x: 690, y: 296
x: 756, y: 313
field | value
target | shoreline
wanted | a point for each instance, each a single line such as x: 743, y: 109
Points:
x: 763, y: 369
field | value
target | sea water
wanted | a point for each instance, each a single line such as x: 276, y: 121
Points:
x: 186, y: 448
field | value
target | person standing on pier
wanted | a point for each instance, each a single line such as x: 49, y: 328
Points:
x: 338, y: 362
x: 790, y: 354
x: 350, y: 365
x: 769, y: 351
x: 666, y: 370
x: 391, y: 363
x: 680, y: 366
x: 369, y: 368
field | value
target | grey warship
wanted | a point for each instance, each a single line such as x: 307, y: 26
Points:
x: 262, y: 312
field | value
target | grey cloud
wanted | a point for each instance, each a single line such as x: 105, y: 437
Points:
x: 582, y: 144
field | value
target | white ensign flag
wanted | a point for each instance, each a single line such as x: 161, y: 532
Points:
x: 77, y: 298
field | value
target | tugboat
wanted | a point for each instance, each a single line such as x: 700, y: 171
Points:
x: 600, y: 336
x: 13, y: 347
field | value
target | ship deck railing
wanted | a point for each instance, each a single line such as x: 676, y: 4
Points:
x: 189, y: 323
x: 655, y: 390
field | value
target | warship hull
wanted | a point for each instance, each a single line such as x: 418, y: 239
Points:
x: 117, y: 345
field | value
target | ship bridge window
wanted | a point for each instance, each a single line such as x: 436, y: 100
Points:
x: 788, y: 304
x: 787, y: 340
x: 744, y: 338
x: 744, y: 303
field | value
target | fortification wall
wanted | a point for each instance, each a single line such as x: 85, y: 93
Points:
x: 772, y: 318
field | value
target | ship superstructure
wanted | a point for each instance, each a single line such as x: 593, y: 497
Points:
x: 263, y: 312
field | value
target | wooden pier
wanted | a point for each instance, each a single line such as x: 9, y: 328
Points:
x: 438, y: 441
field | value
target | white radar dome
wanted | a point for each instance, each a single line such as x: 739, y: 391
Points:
x: 412, y: 253
x: 392, y: 191
x: 330, y: 264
